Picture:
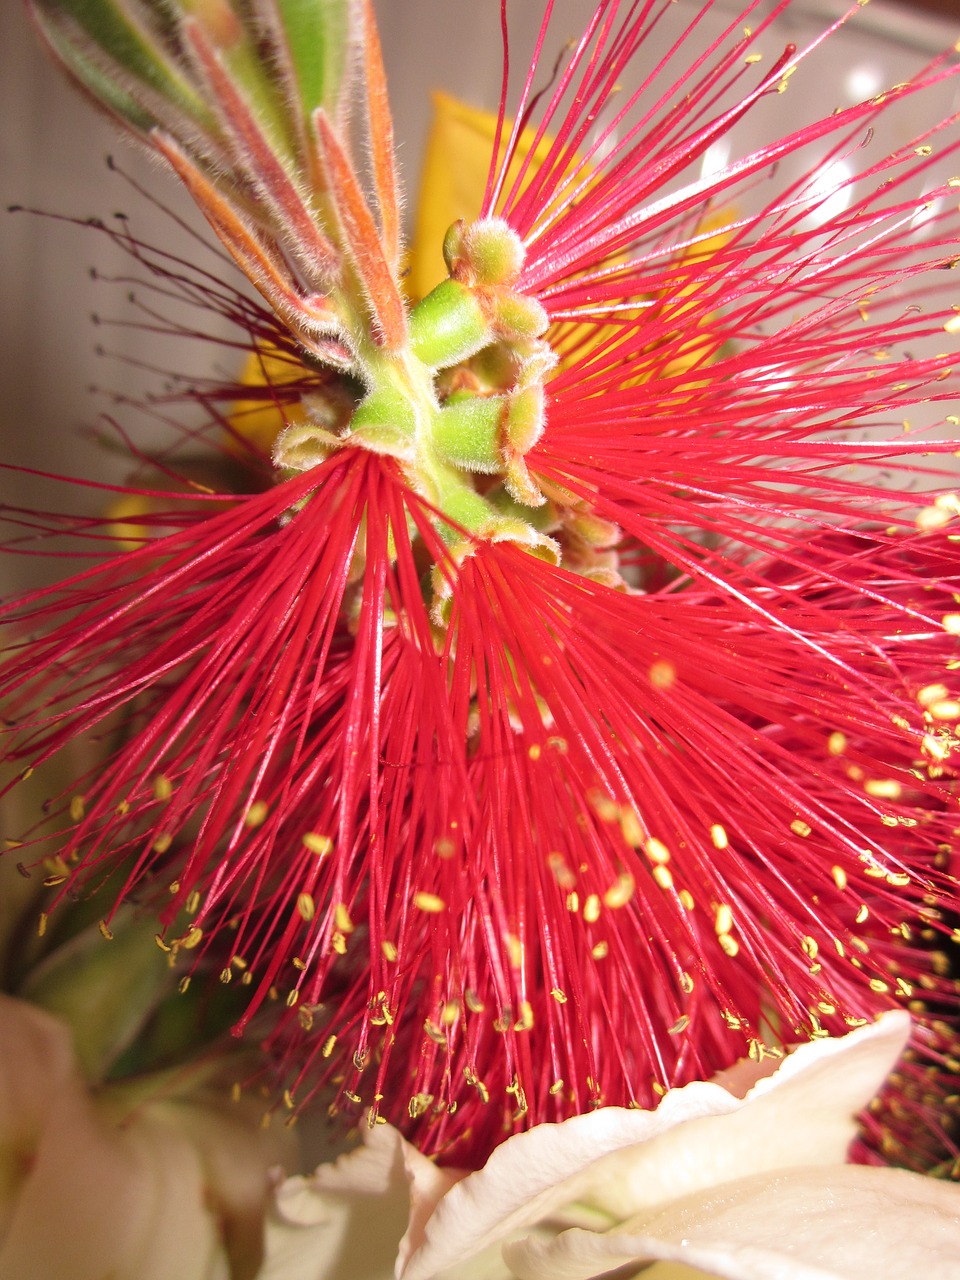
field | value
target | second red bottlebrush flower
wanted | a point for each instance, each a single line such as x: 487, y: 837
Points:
x: 577, y: 710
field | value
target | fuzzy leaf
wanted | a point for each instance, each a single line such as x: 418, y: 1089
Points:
x: 96, y: 82
x: 317, y: 35
x: 136, y: 51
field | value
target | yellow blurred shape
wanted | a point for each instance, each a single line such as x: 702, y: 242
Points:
x: 123, y: 525
x: 454, y: 178
x: 259, y: 422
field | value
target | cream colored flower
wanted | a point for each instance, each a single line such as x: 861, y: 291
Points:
x: 743, y: 1179
x: 91, y: 1189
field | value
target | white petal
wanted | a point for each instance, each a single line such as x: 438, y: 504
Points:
x: 802, y: 1114
x: 173, y: 1189
x: 849, y: 1223
x: 348, y: 1219
x: 36, y: 1064
x: 624, y: 1161
x: 236, y: 1155
x: 130, y: 1206
x: 428, y: 1185
x: 533, y: 1174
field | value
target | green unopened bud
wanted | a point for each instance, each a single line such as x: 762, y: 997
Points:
x: 468, y: 431
x: 454, y: 251
x: 519, y: 483
x: 385, y: 423
x: 448, y: 326
x: 487, y: 434
x: 466, y: 509
x: 536, y: 363
x: 525, y: 418
x: 494, y: 252
x: 543, y: 518
x: 514, y: 316
x: 593, y: 529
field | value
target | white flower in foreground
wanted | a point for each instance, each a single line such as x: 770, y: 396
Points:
x: 747, y: 1185
x: 92, y: 1190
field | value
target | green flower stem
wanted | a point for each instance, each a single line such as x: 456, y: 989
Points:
x: 456, y: 393
x: 402, y: 416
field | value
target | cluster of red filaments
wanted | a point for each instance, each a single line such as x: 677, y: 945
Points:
x: 573, y: 839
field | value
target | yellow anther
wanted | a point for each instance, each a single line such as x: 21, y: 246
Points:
x: 319, y: 844
x: 257, y: 814
x: 656, y: 850
x: 662, y: 674
x: 632, y: 828
x: 341, y: 918
x: 663, y: 877
x: 883, y: 788
x: 429, y: 902
x: 619, y: 894
x: 718, y: 836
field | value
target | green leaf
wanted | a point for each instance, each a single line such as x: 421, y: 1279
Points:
x: 104, y: 990
x: 137, y: 52
x: 317, y: 35
x: 106, y: 91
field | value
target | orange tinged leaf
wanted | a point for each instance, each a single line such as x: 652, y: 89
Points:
x: 361, y: 235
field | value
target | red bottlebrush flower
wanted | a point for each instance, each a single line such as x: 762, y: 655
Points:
x: 578, y: 707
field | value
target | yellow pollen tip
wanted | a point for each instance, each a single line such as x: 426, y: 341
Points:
x: 319, y: 844
x: 719, y: 836
x: 429, y: 902
x: 256, y: 814
x: 663, y: 674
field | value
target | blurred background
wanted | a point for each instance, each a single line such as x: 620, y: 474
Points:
x: 53, y: 154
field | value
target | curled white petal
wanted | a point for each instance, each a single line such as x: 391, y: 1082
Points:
x: 350, y: 1218
x: 742, y: 1179
x: 700, y: 1136
x: 853, y: 1222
